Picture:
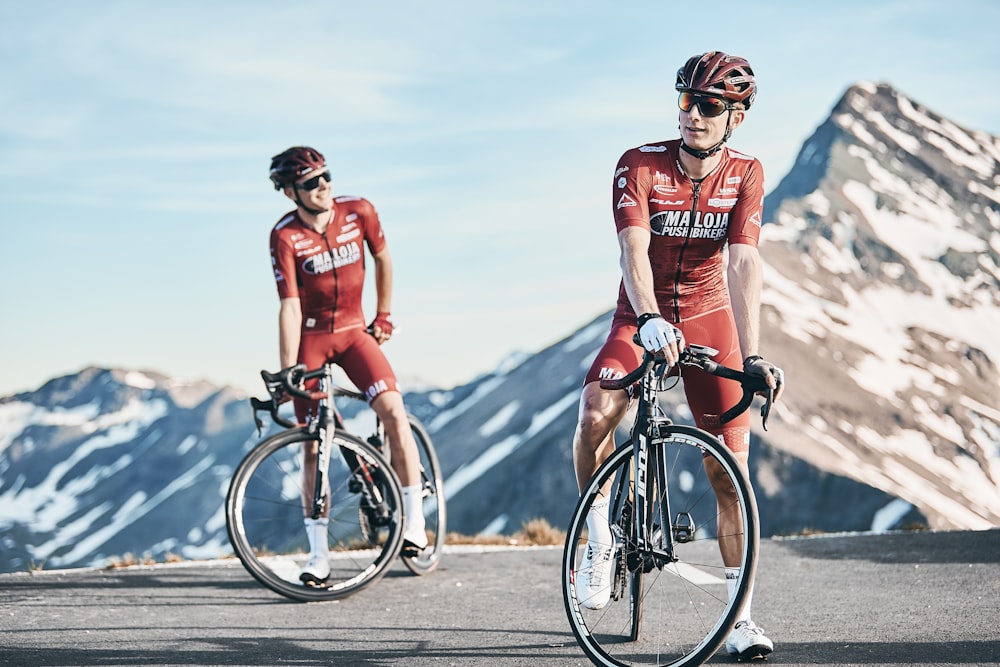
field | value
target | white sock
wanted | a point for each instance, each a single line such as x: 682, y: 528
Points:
x: 732, y: 576
x: 316, y: 532
x: 597, y: 524
x: 413, y: 506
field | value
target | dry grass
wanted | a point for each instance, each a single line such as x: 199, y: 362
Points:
x: 128, y: 560
x: 533, y: 533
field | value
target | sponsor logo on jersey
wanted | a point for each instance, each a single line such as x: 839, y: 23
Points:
x: 622, y: 181
x: 733, y: 180
x: 311, y: 250
x: 610, y: 373
x: 620, y: 171
x: 652, y: 149
x: 310, y: 322
x: 667, y: 202
x: 299, y: 245
x: 353, y: 234
x: 342, y: 255
x: 626, y: 201
x: 376, y: 389
x: 755, y: 218
x: 728, y: 191
x: 716, y: 202
x: 665, y: 189
x: 351, y: 217
x: 710, y: 225
x: 662, y: 179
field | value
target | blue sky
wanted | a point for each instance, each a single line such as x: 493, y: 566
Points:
x: 135, y: 138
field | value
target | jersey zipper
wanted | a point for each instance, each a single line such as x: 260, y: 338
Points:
x: 336, y: 283
x: 696, y: 187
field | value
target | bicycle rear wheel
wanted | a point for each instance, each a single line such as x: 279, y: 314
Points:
x: 435, y: 511
x: 264, y: 516
x: 678, y: 588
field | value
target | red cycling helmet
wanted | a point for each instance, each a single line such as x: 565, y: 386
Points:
x: 719, y: 74
x: 288, y: 166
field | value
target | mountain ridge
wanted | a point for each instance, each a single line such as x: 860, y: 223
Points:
x: 881, y: 252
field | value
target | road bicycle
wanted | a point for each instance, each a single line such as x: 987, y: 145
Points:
x: 355, y: 487
x: 669, y: 602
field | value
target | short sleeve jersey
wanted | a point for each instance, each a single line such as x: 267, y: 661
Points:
x: 690, y: 223
x: 326, y: 272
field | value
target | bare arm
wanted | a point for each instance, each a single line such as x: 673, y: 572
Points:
x: 744, y: 276
x: 289, y: 331
x: 383, y: 281
x: 383, y: 294
x: 637, y: 276
x: 745, y: 280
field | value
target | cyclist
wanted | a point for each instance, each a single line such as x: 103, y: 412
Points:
x: 317, y: 251
x: 678, y: 205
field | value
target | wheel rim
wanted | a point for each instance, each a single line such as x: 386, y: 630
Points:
x: 264, y: 519
x: 685, y: 606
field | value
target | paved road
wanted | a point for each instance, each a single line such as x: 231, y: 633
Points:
x: 923, y: 598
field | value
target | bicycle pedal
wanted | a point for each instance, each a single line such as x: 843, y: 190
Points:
x: 410, y: 550
x: 312, y: 581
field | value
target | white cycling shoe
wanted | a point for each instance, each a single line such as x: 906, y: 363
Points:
x: 748, y: 642
x: 593, y: 578
x: 414, y: 541
x: 316, y: 570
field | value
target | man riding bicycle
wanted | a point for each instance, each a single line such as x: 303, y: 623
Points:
x: 317, y: 251
x: 677, y: 206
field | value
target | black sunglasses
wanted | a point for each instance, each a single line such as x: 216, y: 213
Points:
x: 708, y: 106
x: 313, y: 183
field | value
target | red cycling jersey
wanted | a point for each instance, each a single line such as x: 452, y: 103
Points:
x: 326, y: 272
x: 690, y: 223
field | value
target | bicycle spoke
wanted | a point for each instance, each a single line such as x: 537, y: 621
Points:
x: 264, y: 516
x: 684, y: 607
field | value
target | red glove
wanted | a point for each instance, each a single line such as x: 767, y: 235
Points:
x: 383, y: 321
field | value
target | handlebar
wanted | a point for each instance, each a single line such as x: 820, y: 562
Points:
x: 701, y: 357
x: 290, y: 382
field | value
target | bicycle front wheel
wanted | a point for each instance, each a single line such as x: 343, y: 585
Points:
x: 675, y: 583
x: 435, y: 511
x: 264, y: 515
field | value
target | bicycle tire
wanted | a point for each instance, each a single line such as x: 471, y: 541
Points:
x: 435, y: 506
x: 264, y: 517
x: 683, y: 603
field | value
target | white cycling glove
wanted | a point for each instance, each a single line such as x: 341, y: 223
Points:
x: 655, y: 332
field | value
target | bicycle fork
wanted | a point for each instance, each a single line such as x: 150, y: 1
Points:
x: 651, y: 524
x: 321, y: 484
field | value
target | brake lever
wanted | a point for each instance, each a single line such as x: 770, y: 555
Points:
x: 765, y: 410
x: 257, y: 405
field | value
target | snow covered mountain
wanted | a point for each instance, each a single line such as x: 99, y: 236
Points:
x: 881, y: 302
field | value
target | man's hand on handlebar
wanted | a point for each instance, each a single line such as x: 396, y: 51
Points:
x: 773, y: 376
x: 660, y: 337
x: 381, y: 327
x: 280, y: 396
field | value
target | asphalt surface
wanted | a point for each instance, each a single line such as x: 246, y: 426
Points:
x: 899, y: 599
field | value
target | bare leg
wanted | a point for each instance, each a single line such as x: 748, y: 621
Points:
x: 402, y: 447
x: 405, y: 460
x: 593, y: 441
x: 730, y: 524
